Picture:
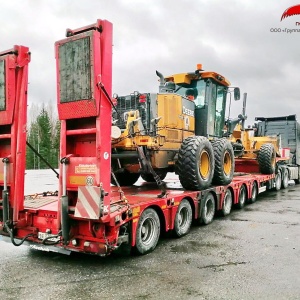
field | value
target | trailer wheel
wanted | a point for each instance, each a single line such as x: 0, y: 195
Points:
x: 277, y: 181
x: 242, y: 197
x: 149, y: 177
x: 254, y: 193
x: 224, y: 161
x: 125, y: 178
x: 183, y: 218
x: 147, y: 232
x: 208, y: 209
x: 195, y: 164
x: 285, y: 179
x: 266, y: 159
x: 227, y: 203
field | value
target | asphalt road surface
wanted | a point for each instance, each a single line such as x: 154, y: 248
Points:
x: 251, y: 254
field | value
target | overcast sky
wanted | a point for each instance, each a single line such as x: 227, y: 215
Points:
x: 230, y: 37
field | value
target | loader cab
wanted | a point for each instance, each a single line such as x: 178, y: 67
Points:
x: 210, y: 89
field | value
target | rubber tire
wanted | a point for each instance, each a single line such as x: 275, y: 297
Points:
x: 149, y: 177
x: 285, y: 179
x: 189, y: 163
x: 146, y: 242
x: 223, y: 154
x: 183, y: 218
x: 208, y: 209
x: 125, y: 178
x: 254, y: 193
x: 266, y: 159
x: 277, y: 179
x: 227, y: 203
x: 242, y: 197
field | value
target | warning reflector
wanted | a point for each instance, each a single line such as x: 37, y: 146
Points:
x: 88, y: 203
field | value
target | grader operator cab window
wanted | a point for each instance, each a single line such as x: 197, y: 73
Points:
x: 220, y: 110
x: 196, y: 88
x: 210, y: 108
x: 201, y: 87
x: 2, y: 85
x: 216, y: 110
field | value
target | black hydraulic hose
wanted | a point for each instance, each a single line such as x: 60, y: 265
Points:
x: 42, y: 158
x: 11, y: 234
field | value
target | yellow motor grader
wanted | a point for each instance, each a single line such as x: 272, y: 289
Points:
x: 248, y: 146
x: 181, y: 128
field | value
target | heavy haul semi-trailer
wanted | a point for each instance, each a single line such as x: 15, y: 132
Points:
x: 89, y: 215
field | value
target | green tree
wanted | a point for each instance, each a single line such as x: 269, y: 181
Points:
x: 32, y: 137
x: 43, y: 136
x: 55, y: 144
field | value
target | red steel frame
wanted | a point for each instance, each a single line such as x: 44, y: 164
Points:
x: 85, y: 148
x: 93, y: 151
x: 13, y: 126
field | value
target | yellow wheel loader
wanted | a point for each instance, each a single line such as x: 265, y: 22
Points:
x: 247, y: 146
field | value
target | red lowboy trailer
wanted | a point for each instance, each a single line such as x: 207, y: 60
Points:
x: 89, y: 215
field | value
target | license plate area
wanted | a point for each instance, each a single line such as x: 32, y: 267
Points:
x: 45, y: 235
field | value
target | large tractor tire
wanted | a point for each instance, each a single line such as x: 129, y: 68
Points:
x: 267, y: 159
x: 149, y: 177
x: 224, y: 161
x: 195, y: 165
x: 125, y: 178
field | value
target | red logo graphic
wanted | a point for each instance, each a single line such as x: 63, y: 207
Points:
x: 291, y: 11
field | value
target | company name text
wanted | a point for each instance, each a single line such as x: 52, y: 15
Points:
x: 284, y: 30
